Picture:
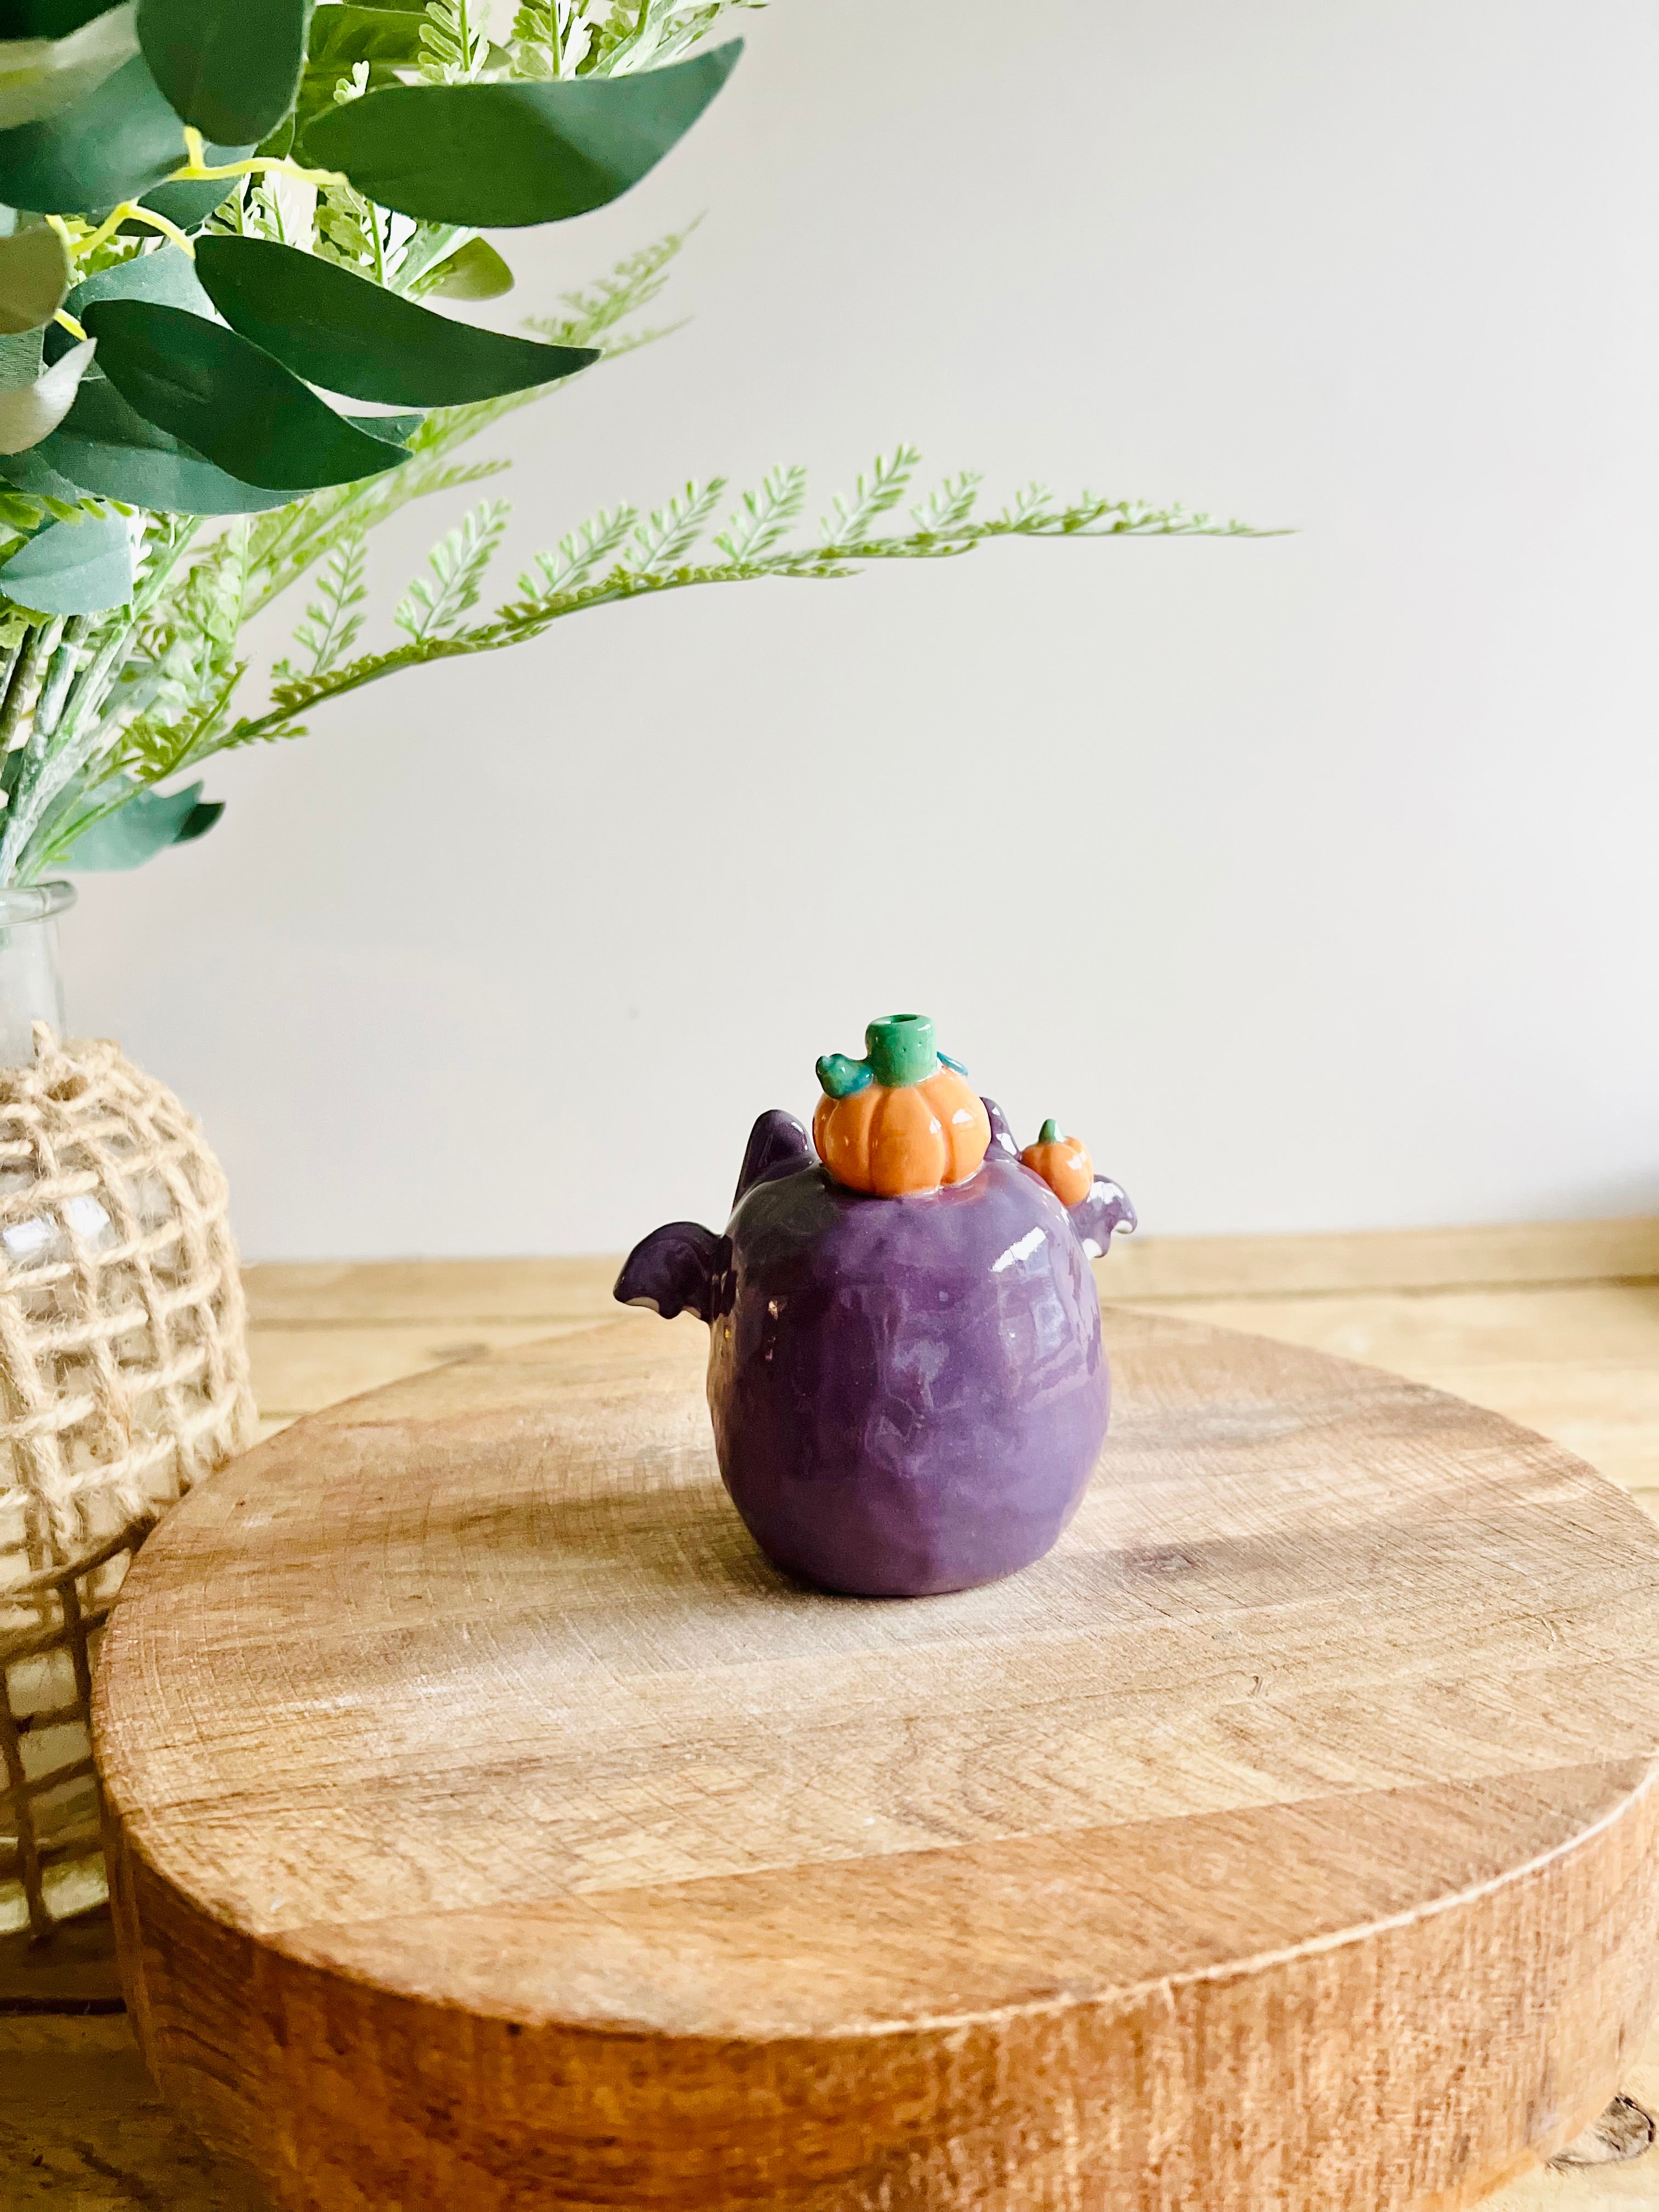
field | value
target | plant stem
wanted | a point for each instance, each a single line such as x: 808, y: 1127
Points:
x: 55, y: 689
x: 197, y: 170
x: 19, y: 764
x: 91, y: 686
x: 9, y: 660
x: 20, y: 688
x: 55, y: 774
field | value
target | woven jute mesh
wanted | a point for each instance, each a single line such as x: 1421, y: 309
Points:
x: 124, y: 1378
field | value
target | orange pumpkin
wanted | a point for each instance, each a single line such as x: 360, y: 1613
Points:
x: 897, y: 1142
x: 903, y: 1121
x: 1062, y: 1162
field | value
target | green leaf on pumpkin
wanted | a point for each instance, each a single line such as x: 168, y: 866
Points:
x: 231, y: 72
x: 229, y: 400
x: 35, y: 269
x: 340, y: 331
x: 505, y: 155
x: 145, y: 825
x: 73, y: 567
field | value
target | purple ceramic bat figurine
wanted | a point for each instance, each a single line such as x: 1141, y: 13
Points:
x: 905, y: 1368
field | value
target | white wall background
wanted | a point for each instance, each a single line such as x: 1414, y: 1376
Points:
x: 1312, y: 880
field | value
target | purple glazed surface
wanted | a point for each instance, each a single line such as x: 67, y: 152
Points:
x: 909, y: 1394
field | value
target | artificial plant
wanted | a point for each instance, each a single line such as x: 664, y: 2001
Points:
x: 218, y: 371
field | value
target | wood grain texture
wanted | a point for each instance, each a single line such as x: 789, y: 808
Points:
x: 82, y: 2130
x: 1580, y: 1361
x: 496, y: 1829
x: 300, y: 1370
x: 382, y: 1291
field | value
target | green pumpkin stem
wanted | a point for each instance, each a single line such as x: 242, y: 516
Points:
x: 1051, y: 1132
x: 901, y: 1049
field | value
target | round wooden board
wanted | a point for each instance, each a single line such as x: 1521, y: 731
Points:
x: 494, y: 1828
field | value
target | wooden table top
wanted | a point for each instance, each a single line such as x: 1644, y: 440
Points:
x: 1272, y: 1841
x: 1558, y: 1325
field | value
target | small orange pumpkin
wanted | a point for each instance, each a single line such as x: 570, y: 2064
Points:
x: 1062, y: 1162
x: 903, y: 1121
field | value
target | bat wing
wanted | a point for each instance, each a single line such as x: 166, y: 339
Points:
x: 675, y: 1270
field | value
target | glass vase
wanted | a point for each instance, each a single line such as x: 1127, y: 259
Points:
x: 31, y: 980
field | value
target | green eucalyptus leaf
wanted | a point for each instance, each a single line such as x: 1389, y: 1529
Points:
x: 117, y: 144
x: 112, y: 145
x: 40, y: 76
x: 73, y: 567
x: 35, y: 269
x: 231, y: 72
x: 30, y: 413
x: 504, y: 156
x: 47, y: 19
x: 473, y: 272
x: 145, y: 825
x: 107, y: 448
x: 189, y: 204
x: 395, y: 429
x: 21, y: 357
x: 44, y: 482
x: 167, y: 276
x: 341, y: 36
x: 339, y: 330
x: 227, y: 399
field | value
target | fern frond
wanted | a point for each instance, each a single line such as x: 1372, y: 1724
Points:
x: 574, y: 561
x: 448, y: 476
x: 568, y: 582
x: 766, y: 516
x: 289, y: 541
x: 873, y: 496
x: 1030, y: 501
x: 154, y: 747
x: 950, y: 506
x: 550, y: 40
x: 348, y: 231
x: 334, y: 620
x: 663, y: 542
x: 452, y: 51
x: 292, y: 697
x: 640, y: 34
x: 433, y: 605
x: 594, y: 310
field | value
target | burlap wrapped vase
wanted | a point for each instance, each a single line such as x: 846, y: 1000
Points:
x: 124, y: 1378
